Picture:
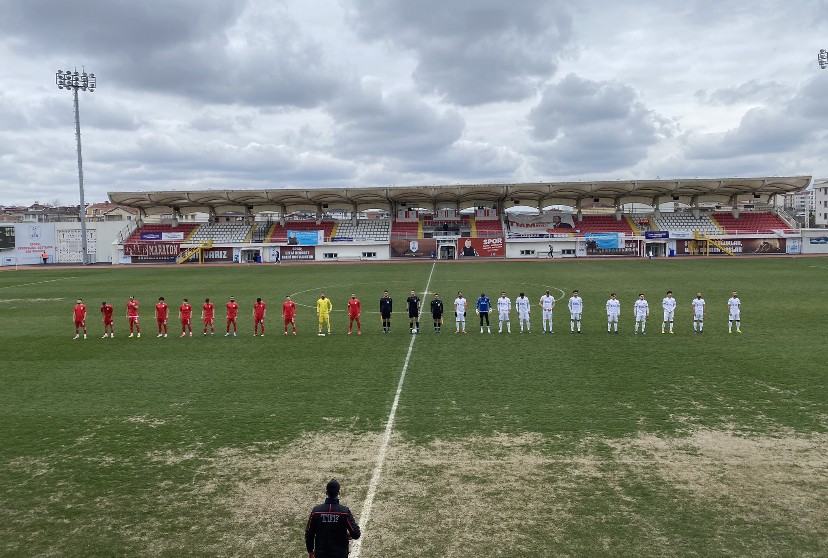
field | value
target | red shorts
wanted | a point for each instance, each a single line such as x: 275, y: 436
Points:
x: 161, y: 320
x: 81, y: 323
x: 208, y: 320
x: 289, y: 319
x: 231, y: 320
x: 185, y: 321
x: 259, y: 319
x: 107, y: 321
x: 353, y: 316
x: 133, y: 319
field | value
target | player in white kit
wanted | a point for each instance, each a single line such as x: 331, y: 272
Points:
x: 669, y: 305
x: 523, y: 307
x: 547, y: 303
x: 641, y: 309
x: 460, y: 313
x: 734, y: 308
x: 698, y: 313
x: 504, y: 308
x: 613, y: 311
x: 576, y: 307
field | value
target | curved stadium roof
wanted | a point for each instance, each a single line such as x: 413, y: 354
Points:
x: 537, y: 194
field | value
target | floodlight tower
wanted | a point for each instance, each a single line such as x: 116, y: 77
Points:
x: 822, y: 58
x: 74, y: 81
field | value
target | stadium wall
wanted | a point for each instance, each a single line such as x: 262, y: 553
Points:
x: 61, y: 242
x: 814, y: 241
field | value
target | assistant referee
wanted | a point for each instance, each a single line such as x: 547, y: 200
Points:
x: 330, y: 527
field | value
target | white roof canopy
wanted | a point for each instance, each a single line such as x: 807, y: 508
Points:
x: 536, y: 194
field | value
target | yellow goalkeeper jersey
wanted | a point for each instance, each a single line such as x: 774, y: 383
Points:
x: 323, y: 306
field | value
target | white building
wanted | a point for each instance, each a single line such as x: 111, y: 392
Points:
x: 820, y: 189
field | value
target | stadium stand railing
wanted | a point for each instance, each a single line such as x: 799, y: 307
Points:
x: 488, y: 228
x: 405, y: 229
x: 365, y: 229
x: 686, y: 222
x: 601, y: 224
x: 221, y: 233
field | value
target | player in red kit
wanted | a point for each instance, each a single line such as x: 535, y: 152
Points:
x: 109, y: 326
x: 185, y: 314
x: 162, y: 311
x: 208, y: 310
x: 232, y: 312
x: 289, y: 314
x: 259, y: 309
x: 80, y: 319
x: 354, y: 312
x: 132, y: 316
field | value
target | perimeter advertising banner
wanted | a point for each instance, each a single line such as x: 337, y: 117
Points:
x: 482, y: 247
x: 305, y: 238
x: 297, y: 253
x: 420, y: 248
x: 740, y: 246
x: 150, y: 250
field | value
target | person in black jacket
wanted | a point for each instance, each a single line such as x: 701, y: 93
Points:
x: 385, y: 312
x: 330, y: 527
x: 437, y: 312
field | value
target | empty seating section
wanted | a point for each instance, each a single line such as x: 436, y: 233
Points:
x: 602, y: 224
x: 135, y: 237
x: 280, y: 232
x: 373, y: 229
x: 750, y: 223
x: 221, y: 233
x: 489, y: 228
x: 260, y: 232
x: 684, y: 221
x: 405, y: 229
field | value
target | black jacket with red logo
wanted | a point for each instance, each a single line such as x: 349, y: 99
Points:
x: 329, y: 529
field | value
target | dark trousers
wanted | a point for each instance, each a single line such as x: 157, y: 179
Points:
x: 484, y: 315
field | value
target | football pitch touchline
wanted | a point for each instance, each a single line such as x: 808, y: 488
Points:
x: 386, y: 439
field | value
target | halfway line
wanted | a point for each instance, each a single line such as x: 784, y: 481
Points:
x: 386, y: 440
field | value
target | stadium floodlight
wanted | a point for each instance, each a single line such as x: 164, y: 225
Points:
x: 822, y: 58
x: 74, y: 81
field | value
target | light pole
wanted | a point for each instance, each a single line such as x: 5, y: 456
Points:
x: 822, y: 58
x: 73, y: 81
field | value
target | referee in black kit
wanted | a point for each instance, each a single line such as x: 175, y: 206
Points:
x: 330, y: 527
x: 386, y: 307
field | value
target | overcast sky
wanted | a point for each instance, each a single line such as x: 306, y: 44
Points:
x: 196, y: 94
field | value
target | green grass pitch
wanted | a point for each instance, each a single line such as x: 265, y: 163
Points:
x: 503, y: 445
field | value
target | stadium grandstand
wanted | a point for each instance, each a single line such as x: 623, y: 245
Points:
x: 559, y: 219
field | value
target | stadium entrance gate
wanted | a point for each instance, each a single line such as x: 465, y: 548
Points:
x: 446, y: 249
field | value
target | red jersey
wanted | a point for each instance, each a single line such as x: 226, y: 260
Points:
x: 289, y: 309
x: 186, y: 311
x: 354, y: 308
x: 161, y: 311
x: 132, y: 308
x: 232, y: 310
x: 208, y: 308
x: 107, y: 313
x: 80, y: 312
x: 259, y: 310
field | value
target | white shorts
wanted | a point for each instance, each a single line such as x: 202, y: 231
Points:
x: 668, y: 315
x: 698, y: 316
x: 575, y: 317
x: 641, y: 317
x: 734, y: 316
x: 612, y: 318
x: 524, y: 316
x: 547, y: 315
x: 504, y: 316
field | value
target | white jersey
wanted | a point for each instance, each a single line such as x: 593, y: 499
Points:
x: 734, y: 304
x: 460, y: 306
x: 522, y: 304
x: 698, y: 308
x: 576, y: 305
x: 547, y: 302
x: 613, y: 307
x: 642, y: 308
x: 669, y: 304
x: 504, y: 304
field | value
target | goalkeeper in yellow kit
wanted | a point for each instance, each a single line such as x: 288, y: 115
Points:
x: 323, y: 309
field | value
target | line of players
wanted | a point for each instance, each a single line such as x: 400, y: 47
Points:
x: 483, y: 307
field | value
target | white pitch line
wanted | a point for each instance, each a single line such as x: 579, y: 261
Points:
x: 386, y: 440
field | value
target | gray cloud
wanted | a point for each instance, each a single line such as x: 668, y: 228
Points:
x: 584, y: 126
x: 218, y: 52
x: 471, y: 53
x: 750, y: 91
